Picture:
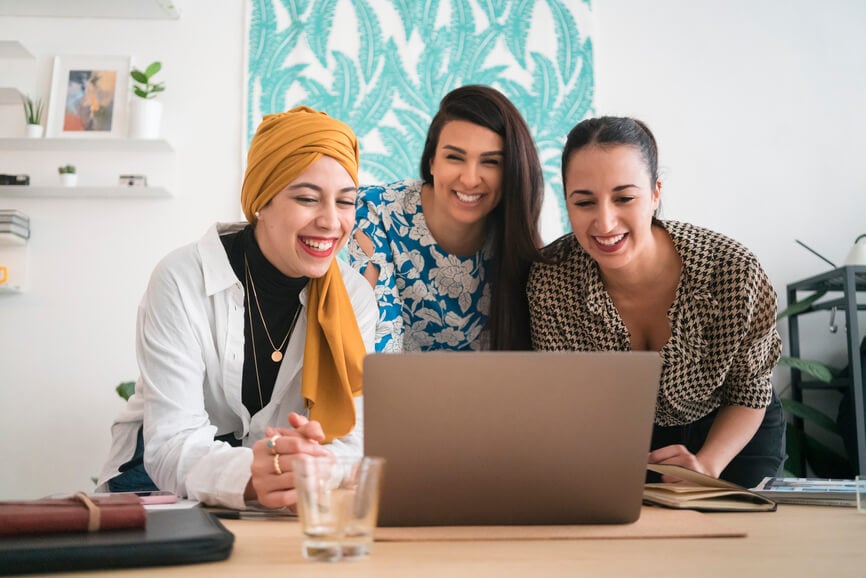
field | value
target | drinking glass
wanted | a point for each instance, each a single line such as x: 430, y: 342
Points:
x: 338, y: 503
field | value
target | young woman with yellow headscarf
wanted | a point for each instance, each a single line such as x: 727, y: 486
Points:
x: 255, y: 324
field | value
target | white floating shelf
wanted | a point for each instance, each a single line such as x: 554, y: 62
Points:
x: 85, y: 144
x: 147, y: 9
x: 13, y: 49
x: 79, y: 192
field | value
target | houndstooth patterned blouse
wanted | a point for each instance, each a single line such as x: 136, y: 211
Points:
x: 724, y: 343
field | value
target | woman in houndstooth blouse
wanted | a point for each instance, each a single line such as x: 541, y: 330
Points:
x: 625, y: 280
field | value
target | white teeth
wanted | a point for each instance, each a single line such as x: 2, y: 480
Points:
x: 318, y: 245
x: 467, y: 198
x: 608, y: 241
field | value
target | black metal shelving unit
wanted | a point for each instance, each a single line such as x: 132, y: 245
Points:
x: 842, y: 286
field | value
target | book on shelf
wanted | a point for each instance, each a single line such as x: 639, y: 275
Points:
x: 702, y: 492
x: 15, y: 229
x: 811, y: 491
x: 17, y: 221
x: 5, y: 220
x: 13, y: 215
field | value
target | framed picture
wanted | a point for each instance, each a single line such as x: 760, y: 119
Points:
x: 89, y: 97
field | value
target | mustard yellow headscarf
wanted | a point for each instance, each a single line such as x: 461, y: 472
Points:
x: 285, y: 144
x: 283, y: 147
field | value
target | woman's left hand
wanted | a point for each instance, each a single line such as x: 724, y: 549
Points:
x: 272, y: 480
x: 732, y: 429
x: 678, y: 455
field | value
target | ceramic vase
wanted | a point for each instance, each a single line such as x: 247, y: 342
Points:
x: 69, y: 179
x: 145, y: 115
x: 35, y: 130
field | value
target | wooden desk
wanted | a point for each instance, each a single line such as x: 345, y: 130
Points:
x: 792, y: 542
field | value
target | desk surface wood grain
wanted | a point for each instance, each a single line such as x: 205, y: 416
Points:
x: 795, y: 541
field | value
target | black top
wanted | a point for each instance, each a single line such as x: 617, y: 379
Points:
x: 278, y: 297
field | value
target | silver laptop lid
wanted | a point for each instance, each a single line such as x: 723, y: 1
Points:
x: 478, y: 438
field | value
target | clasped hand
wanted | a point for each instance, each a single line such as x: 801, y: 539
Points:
x: 272, y: 480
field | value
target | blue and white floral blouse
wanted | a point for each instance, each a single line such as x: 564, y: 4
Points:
x: 428, y: 299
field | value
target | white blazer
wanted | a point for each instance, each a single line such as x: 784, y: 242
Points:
x: 190, y: 349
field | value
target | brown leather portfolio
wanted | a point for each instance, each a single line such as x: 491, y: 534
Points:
x: 79, y: 513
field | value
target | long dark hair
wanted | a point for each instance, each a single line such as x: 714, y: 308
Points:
x: 515, y: 219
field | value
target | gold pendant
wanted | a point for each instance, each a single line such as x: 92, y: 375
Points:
x: 277, y: 356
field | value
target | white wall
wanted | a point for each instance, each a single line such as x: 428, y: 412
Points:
x: 757, y: 106
x: 759, y: 109
x: 67, y: 341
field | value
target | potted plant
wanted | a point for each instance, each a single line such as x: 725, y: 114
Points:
x: 145, y: 111
x: 33, y: 109
x: 799, y: 445
x: 68, y: 175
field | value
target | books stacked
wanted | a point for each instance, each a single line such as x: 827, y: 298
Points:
x: 809, y: 491
x: 14, y: 226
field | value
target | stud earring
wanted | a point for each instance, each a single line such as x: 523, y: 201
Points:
x: 256, y: 214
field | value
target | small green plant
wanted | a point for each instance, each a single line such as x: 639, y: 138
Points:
x: 800, y: 446
x: 144, y: 87
x: 814, y: 368
x: 33, y: 109
x: 125, y: 389
x: 66, y: 169
x: 824, y: 461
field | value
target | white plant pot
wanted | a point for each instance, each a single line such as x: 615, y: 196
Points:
x: 857, y: 254
x: 145, y: 115
x: 35, y: 130
x: 69, y: 179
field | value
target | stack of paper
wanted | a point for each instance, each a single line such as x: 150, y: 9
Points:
x: 14, y: 225
x: 809, y: 491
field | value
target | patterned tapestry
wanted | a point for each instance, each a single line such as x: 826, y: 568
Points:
x: 382, y: 66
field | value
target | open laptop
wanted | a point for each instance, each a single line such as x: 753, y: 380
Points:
x: 506, y: 438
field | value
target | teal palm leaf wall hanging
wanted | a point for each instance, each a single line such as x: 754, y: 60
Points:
x: 383, y: 65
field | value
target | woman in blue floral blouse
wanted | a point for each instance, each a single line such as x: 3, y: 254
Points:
x: 449, y: 255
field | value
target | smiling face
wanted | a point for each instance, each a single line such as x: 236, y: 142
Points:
x: 304, y: 226
x: 467, y: 173
x: 611, y: 199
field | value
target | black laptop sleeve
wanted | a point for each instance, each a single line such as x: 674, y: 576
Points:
x: 181, y: 536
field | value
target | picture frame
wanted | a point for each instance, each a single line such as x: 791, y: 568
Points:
x: 89, y: 97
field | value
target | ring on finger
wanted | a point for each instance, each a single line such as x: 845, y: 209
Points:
x: 272, y: 443
x: 277, y: 469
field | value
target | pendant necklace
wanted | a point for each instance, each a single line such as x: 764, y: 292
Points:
x: 277, y: 354
x: 253, y: 343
